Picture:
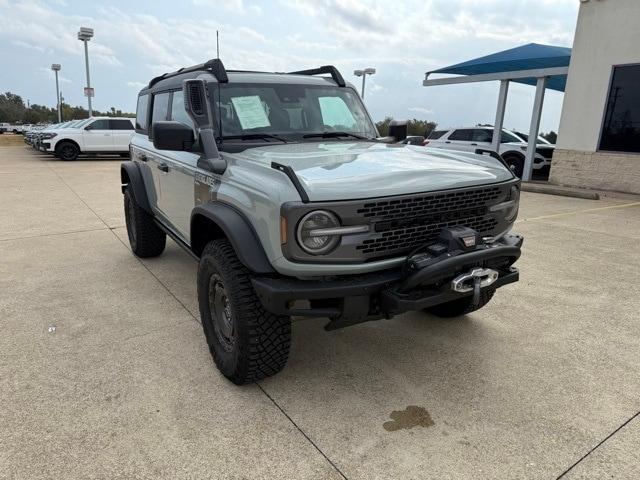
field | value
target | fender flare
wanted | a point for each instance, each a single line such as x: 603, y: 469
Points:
x: 130, y: 175
x: 236, y: 229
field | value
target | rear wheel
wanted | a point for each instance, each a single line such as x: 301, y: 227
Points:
x: 516, y: 163
x: 247, y: 342
x: 463, y: 305
x: 145, y: 237
x: 67, y: 151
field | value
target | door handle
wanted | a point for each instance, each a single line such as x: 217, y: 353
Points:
x: 142, y: 156
x: 447, y: 141
x: 474, y: 144
x: 163, y: 167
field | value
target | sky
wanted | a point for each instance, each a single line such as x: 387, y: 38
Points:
x: 137, y: 40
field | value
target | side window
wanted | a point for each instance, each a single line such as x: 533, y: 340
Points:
x: 464, y: 135
x: 141, y: 113
x: 160, y: 107
x: 436, y: 134
x: 336, y: 113
x: 508, y: 137
x: 482, y: 135
x: 102, y: 124
x: 178, y: 113
x: 120, y: 125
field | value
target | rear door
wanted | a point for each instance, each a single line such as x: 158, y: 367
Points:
x: 97, y: 136
x: 121, y: 131
x: 482, y: 138
x: 460, y: 139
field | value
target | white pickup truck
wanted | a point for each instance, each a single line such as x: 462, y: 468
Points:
x: 94, y: 135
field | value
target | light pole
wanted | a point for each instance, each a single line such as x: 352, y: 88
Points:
x: 56, y: 68
x: 363, y: 74
x: 85, y: 34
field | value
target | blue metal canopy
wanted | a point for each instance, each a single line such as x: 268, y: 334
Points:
x: 527, y: 57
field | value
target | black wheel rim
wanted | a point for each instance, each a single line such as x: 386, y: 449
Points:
x: 220, y: 310
x: 67, y: 152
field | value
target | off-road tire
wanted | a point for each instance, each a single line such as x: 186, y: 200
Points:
x: 258, y: 344
x: 516, y: 163
x: 462, y: 306
x: 67, y: 151
x: 145, y: 237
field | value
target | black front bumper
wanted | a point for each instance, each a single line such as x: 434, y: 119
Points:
x: 351, y: 299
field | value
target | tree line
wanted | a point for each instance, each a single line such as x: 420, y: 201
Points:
x: 14, y: 110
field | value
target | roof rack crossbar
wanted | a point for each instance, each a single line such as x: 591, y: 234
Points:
x: 215, y: 66
x: 333, y: 71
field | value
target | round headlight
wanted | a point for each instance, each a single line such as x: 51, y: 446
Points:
x: 309, y: 232
x: 512, y: 213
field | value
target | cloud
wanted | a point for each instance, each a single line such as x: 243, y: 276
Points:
x: 421, y: 110
x: 137, y: 85
x: 51, y: 75
x: 20, y: 43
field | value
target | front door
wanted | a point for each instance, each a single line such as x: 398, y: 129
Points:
x: 97, y: 136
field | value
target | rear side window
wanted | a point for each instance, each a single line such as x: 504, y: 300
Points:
x: 464, y: 135
x: 436, y: 134
x: 141, y: 113
x: 120, y: 125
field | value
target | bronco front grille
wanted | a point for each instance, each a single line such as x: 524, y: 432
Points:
x: 402, y: 224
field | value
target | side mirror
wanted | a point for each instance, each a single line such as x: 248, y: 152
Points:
x: 88, y: 127
x: 398, y: 130
x: 172, y: 136
x: 198, y: 106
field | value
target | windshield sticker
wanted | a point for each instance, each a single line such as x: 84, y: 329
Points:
x: 250, y: 112
x: 336, y: 113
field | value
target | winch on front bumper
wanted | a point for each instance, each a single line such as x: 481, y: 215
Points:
x: 458, y: 264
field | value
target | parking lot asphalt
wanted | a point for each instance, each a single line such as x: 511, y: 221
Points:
x: 104, y: 370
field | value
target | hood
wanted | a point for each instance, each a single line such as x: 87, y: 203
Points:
x: 338, y: 170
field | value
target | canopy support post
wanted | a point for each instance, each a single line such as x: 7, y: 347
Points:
x: 502, y: 105
x: 535, y: 128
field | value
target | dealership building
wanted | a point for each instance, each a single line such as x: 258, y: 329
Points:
x: 599, y: 137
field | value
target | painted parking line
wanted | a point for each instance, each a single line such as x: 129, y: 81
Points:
x: 575, y: 212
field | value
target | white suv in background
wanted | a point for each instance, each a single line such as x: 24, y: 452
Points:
x: 512, y: 147
x: 94, y: 135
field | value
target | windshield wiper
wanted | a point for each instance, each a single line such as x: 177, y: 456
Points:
x: 334, y: 135
x: 254, y: 136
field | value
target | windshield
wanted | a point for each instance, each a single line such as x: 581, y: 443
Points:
x: 290, y: 112
x: 541, y: 140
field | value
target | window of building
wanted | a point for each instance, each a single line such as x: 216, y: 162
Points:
x: 621, y: 125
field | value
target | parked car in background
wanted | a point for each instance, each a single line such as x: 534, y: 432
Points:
x: 92, y: 135
x: 512, y: 147
x: 4, y: 127
x: 413, y: 140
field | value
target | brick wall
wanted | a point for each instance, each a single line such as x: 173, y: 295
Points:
x: 618, y: 172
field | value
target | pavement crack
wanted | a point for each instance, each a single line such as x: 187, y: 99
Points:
x: 302, y: 432
x: 598, y: 445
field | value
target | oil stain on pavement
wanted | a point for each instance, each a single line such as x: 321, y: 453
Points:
x: 410, y: 417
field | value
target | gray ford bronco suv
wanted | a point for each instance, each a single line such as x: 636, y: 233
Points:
x: 280, y: 186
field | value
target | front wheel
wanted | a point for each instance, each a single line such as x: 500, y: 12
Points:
x: 247, y: 342
x: 463, y: 305
x: 67, y: 151
x: 516, y: 164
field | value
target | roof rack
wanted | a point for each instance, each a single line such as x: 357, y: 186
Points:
x: 215, y: 66
x: 335, y: 74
